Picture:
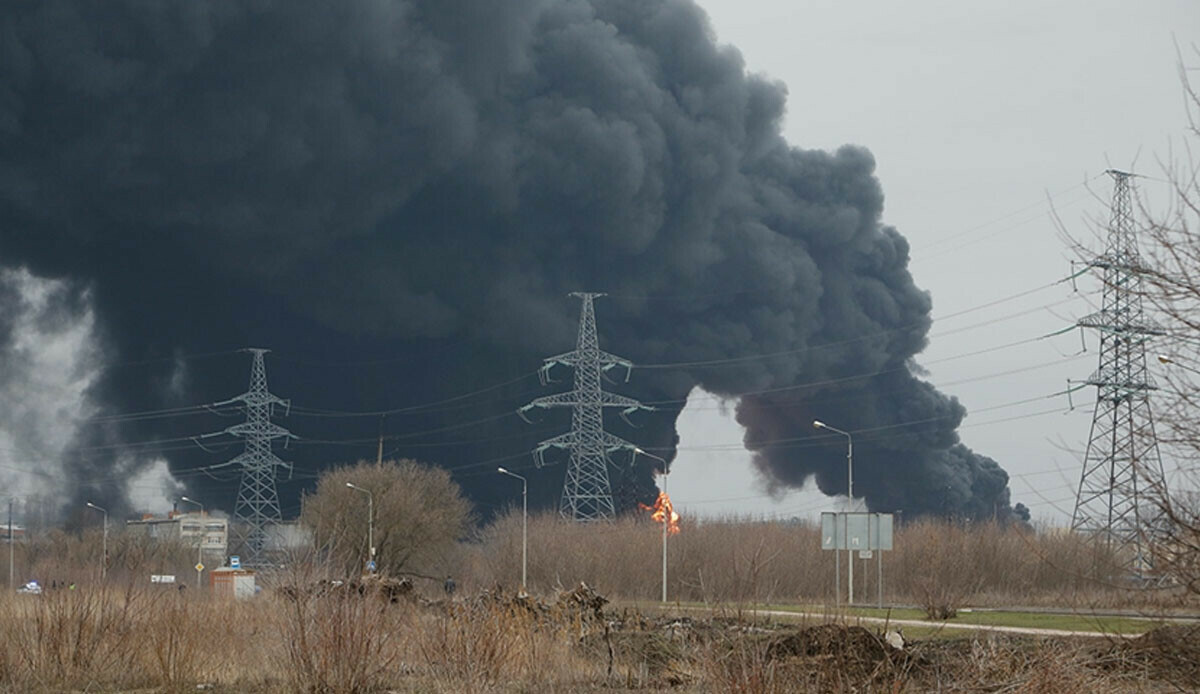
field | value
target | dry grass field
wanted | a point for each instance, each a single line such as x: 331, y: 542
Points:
x: 339, y: 640
x: 306, y: 633
x: 742, y: 562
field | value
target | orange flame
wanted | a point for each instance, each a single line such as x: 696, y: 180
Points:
x: 662, y: 510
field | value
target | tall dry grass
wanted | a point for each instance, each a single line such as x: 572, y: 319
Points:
x: 135, y: 639
x: 740, y: 561
x: 128, y: 635
x: 107, y: 637
x: 334, y: 640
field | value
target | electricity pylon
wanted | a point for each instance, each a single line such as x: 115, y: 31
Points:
x: 257, y: 507
x: 1122, y: 461
x: 587, y: 494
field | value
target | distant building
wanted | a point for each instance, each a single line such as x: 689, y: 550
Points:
x: 18, y: 533
x: 209, y: 532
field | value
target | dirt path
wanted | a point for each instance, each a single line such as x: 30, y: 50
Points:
x: 853, y: 619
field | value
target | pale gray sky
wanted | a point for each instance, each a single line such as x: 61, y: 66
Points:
x: 976, y: 112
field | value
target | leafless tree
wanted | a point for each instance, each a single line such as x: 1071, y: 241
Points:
x: 419, y: 514
x: 1169, y: 238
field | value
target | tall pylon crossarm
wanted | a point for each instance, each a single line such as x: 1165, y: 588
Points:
x: 562, y: 441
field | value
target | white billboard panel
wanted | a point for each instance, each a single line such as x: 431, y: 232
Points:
x: 856, y: 530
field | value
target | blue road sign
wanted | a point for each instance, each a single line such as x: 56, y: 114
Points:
x: 371, y: 565
x: 235, y: 562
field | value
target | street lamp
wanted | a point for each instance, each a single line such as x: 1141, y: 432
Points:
x: 1164, y: 359
x: 11, y: 565
x: 104, y: 543
x: 666, y: 520
x: 524, y: 524
x: 849, y: 493
x: 199, y: 542
x: 370, y: 525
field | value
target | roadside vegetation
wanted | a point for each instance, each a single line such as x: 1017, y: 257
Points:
x: 592, y: 619
x: 302, y: 635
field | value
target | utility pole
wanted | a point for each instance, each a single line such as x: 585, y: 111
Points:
x: 665, y: 525
x: 199, y: 541
x: 524, y: 526
x: 370, y: 525
x: 849, y: 497
x: 11, y: 573
x: 104, y: 542
x: 257, y: 507
x: 587, y: 493
x: 1122, y: 455
x: 379, y: 453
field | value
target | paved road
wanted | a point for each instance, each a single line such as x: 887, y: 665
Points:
x: 854, y: 619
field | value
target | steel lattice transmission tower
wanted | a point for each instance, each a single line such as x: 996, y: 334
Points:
x: 587, y: 494
x: 1122, y: 458
x: 257, y: 507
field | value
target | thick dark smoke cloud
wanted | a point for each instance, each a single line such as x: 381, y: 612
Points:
x: 415, y: 187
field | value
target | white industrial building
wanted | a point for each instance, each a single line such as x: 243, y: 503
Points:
x: 210, y: 532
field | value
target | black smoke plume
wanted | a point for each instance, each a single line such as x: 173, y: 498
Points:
x: 397, y: 195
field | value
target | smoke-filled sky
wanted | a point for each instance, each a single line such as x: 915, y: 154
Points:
x: 396, y: 197
x: 976, y: 113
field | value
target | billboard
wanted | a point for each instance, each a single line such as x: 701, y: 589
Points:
x: 856, y: 530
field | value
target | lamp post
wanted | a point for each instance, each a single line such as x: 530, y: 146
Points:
x: 849, y: 495
x: 524, y: 524
x: 665, y: 523
x: 666, y: 520
x: 370, y: 525
x: 199, y: 541
x: 104, y: 543
x: 11, y: 571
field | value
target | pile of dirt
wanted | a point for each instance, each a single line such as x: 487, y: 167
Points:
x: 832, y: 640
x: 834, y: 656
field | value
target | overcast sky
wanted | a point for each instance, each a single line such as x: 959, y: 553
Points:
x: 977, y: 113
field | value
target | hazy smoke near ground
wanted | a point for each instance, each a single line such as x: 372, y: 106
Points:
x: 48, y: 361
x: 396, y: 196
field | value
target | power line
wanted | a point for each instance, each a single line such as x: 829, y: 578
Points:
x: 841, y: 343
x: 1047, y: 201
x: 423, y: 407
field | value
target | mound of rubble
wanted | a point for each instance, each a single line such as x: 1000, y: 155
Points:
x: 832, y: 640
x: 582, y: 603
x: 383, y: 587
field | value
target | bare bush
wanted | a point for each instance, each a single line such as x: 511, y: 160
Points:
x: 75, y: 638
x: 180, y: 632
x: 419, y: 513
x: 744, y: 666
x: 336, y: 641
